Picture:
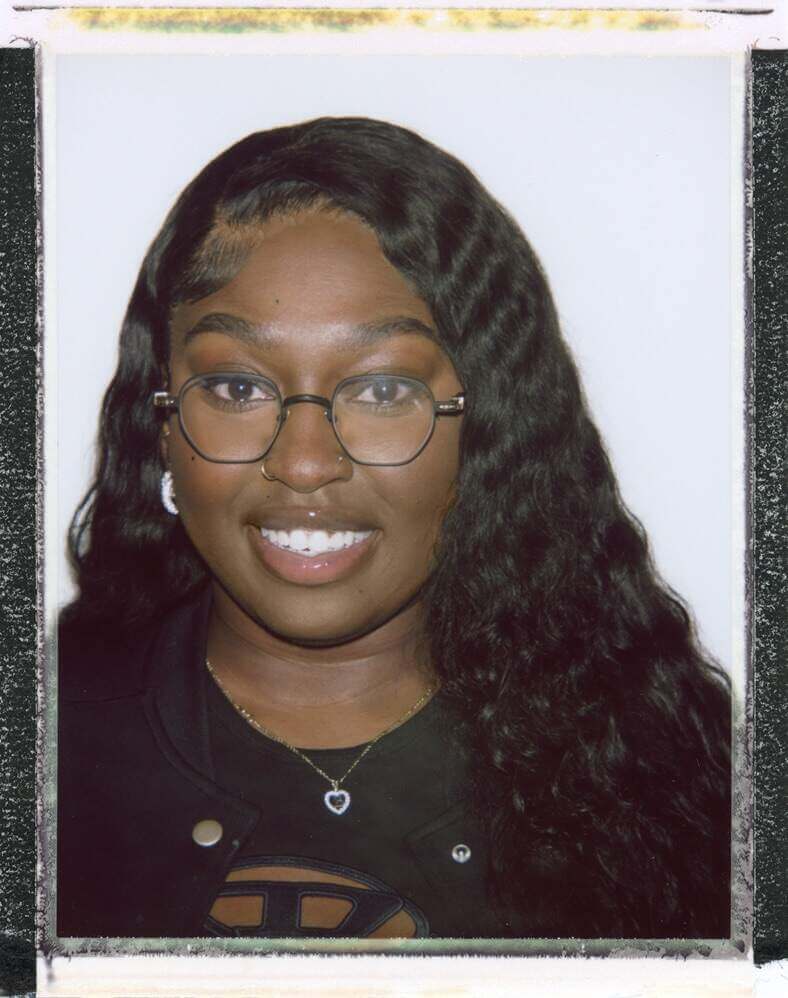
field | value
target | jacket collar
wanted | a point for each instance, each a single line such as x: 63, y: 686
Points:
x: 177, y: 678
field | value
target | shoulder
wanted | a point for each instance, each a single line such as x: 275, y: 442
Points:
x: 97, y: 660
x: 96, y: 663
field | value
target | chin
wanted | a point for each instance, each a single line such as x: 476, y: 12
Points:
x: 324, y: 616
x: 314, y: 623
x: 317, y: 635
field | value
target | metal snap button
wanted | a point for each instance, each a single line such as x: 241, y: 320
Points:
x: 461, y: 853
x: 207, y: 833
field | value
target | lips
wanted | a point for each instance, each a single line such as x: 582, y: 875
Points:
x: 312, y: 547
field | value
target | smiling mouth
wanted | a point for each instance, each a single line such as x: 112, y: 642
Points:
x: 314, y: 543
x: 313, y: 557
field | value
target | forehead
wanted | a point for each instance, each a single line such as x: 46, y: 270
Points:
x: 320, y: 269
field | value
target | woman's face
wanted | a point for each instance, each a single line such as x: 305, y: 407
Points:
x: 315, y: 302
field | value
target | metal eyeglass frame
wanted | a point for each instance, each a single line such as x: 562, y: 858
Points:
x: 455, y: 406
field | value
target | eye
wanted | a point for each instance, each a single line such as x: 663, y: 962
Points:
x: 385, y: 391
x: 239, y: 389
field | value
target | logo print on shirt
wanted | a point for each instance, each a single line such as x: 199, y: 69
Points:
x: 291, y: 897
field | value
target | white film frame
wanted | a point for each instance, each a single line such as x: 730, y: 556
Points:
x: 735, y: 381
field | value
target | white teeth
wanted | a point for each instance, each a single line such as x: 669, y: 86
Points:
x: 298, y: 541
x: 312, y: 543
x: 334, y: 541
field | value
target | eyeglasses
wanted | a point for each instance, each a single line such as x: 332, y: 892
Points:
x: 378, y: 419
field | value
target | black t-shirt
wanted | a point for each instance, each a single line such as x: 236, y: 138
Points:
x: 306, y: 871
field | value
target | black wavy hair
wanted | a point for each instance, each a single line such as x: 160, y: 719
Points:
x: 598, y: 730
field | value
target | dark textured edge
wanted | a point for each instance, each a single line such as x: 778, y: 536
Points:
x: 768, y: 408
x: 19, y: 403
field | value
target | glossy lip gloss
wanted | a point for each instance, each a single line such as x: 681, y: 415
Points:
x: 330, y: 566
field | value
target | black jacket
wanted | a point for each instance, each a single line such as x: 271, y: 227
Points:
x: 135, y: 776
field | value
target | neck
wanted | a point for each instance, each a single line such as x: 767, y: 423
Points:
x: 320, y: 696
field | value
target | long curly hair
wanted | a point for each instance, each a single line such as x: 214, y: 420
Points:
x: 599, y: 732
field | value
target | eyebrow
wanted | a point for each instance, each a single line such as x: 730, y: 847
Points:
x: 364, y: 334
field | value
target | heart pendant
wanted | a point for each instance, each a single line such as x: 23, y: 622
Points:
x: 337, y: 801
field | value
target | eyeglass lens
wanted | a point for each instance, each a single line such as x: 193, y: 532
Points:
x: 379, y: 419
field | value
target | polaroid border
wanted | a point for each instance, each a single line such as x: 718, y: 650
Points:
x: 20, y: 510
x: 768, y: 413
x: 20, y: 524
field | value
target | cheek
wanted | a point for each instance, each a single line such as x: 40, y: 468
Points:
x: 206, y: 493
x: 422, y: 494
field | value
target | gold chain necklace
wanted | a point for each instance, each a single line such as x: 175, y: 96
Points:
x: 336, y: 799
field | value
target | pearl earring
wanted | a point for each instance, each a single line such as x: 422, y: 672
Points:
x: 168, y: 493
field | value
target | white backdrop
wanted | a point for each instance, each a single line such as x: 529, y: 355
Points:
x: 618, y: 168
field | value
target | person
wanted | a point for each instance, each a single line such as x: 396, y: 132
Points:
x: 366, y: 643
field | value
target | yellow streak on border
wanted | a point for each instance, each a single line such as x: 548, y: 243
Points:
x: 230, y: 20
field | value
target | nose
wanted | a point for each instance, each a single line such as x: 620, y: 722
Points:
x: 306, y: 454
